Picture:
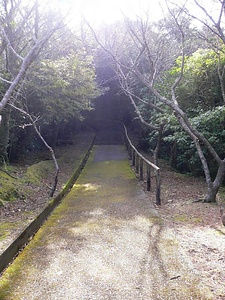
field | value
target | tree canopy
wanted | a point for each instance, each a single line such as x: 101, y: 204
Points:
x: 174, y: 67
x: 44, y: 71
x: 171, y: 70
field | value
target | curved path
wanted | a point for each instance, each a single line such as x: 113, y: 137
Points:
x: 104, y: 241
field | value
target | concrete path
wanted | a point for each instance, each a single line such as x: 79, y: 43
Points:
x: 104, y: 241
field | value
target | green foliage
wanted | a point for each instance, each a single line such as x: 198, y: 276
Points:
x: 63, y: 88
x: 211, y: 124
x: 58, y: 91
x: 200, y: 86
x: 61, y: 82
x: 199, y: 94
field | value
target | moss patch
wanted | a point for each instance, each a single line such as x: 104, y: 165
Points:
x: 10, y: 278
x: 9, y: 188
x: 185, y: 219
x: 14, y: 188
x: 39, y: 171
x: 5, y: 228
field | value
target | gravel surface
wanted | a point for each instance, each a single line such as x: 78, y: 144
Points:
x: 197, y: 227
x: 105, y: 241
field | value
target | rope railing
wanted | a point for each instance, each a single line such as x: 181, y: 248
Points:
x: 138, y: 161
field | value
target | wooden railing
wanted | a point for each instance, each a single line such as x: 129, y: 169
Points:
x: 138, y: 161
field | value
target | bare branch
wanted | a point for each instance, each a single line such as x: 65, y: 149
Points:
x: 10, y: 45
x: 4, y: 80
x: 33, y: 123
x: 215, y: 26
x: 179, y: 78
x: 27, y: 61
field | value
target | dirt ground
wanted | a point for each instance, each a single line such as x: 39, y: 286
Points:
x: 197, y: 225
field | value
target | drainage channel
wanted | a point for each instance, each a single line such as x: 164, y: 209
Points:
x: 23, y: 239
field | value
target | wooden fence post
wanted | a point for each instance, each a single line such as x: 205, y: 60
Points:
x: 141, y: 169
x: 129, y: 151
x: 158, y: 188
x: 137, y: 163
x: 148, y: 178
x: 133, y: 157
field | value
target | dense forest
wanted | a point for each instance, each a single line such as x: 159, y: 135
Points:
x: 168, y: 74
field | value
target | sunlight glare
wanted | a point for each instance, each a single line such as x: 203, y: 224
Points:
x: 102, y: 11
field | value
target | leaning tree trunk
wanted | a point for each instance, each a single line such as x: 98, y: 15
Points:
x: 33, y: 122
x: 53, y: 189
x: 214, y: 187
x: 4, y: 136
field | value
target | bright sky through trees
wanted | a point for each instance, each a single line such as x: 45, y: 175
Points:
x: 108, y: 11
x: 102, y: 11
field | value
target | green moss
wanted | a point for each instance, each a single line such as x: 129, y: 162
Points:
x: 99, y: 185
x: 181, y: 218
x: 185, y: 219
x: 156, y: 220
x: 6, y: 228
x: 10, y: 278
x: 39, y: 171
x: 9, y: 188
x: 111, y: 169
x: 196, y: 220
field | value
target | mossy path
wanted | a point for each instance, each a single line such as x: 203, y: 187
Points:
x: 104, y: 241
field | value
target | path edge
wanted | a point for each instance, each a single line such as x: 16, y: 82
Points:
x: 23, y: 238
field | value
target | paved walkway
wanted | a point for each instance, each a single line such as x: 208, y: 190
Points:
x: 104, y: 241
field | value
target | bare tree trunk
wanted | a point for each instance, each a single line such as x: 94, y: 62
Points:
x: 158, y: 146
x: 4, y: 134
x: 33, y: 123
x: 53, y: 157
x: 215, y: 186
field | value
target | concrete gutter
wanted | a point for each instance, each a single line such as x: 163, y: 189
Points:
x: 8, y: 255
